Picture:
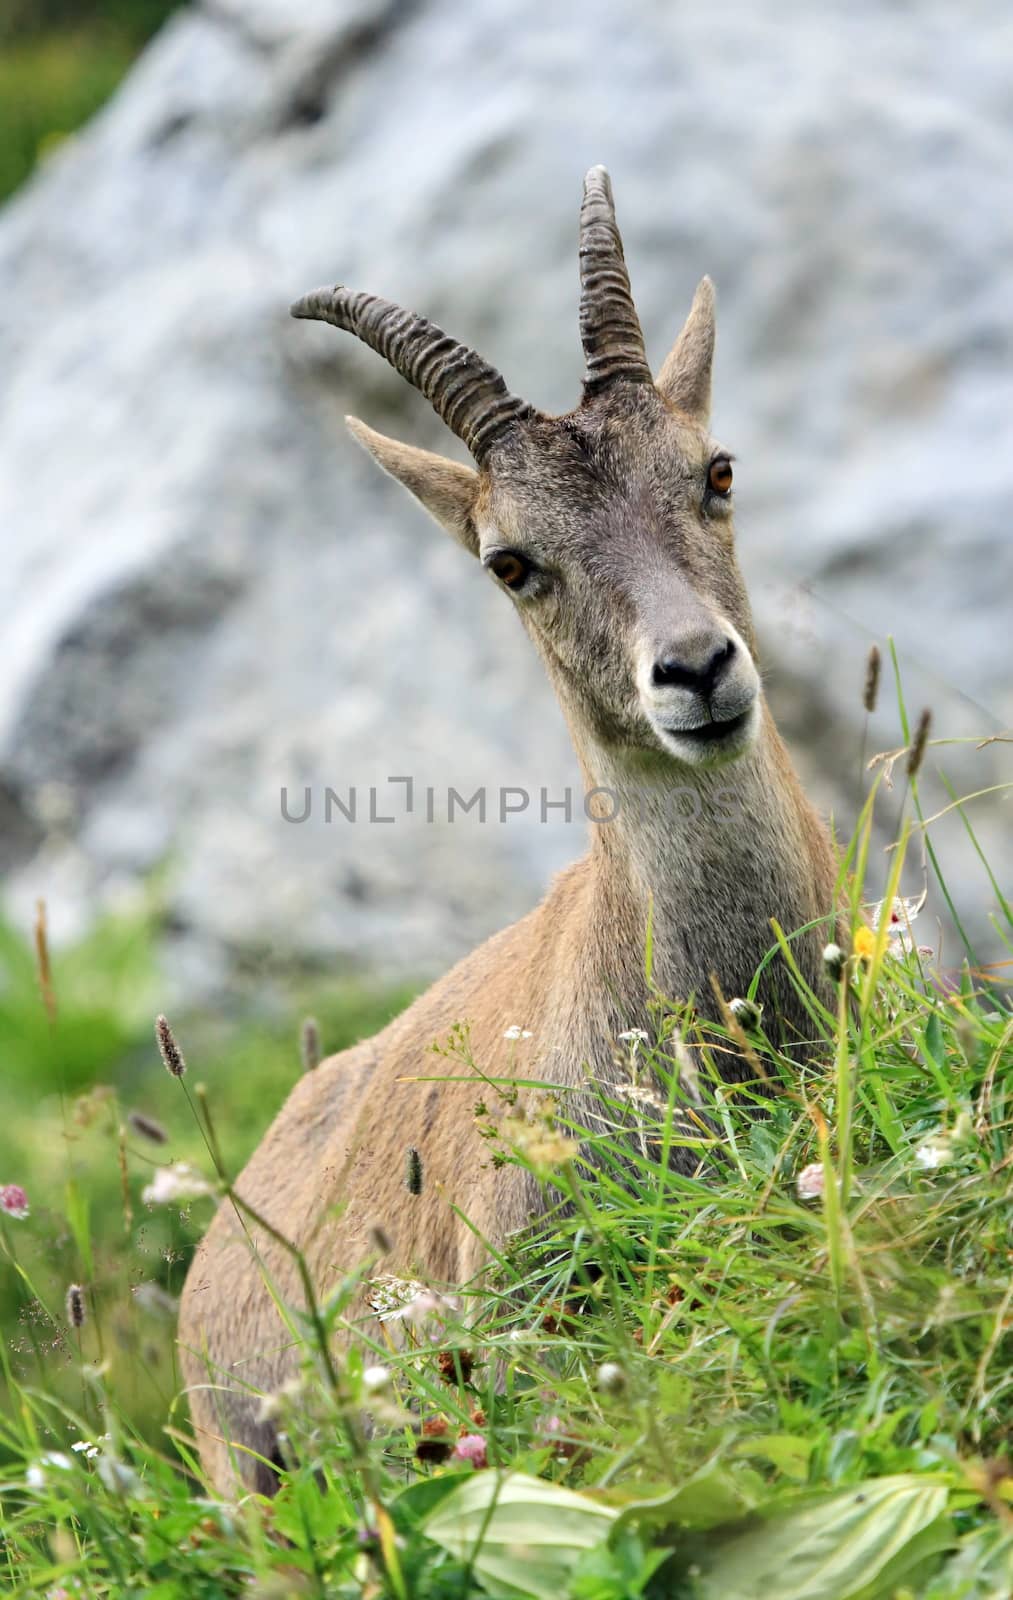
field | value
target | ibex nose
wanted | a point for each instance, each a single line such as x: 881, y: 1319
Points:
x: 697, y: 668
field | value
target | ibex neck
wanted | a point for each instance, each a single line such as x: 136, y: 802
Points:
x: 708, y: 858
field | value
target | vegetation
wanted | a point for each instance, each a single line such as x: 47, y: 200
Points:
x: 789, y: 1374
x: 60, y: 60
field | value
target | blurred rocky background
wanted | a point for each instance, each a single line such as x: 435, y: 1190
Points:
x: 208, y: 593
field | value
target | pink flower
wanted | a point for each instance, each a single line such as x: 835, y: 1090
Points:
x: 14, y: 1201
x: 471, y: 1447
x: 809, y: 1185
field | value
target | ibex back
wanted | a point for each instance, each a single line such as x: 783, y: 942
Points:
x: 610, y: 531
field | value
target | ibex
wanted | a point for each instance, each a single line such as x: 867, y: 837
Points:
x: 610, y: 531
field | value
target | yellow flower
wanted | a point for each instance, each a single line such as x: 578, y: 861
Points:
x: 865, y: 943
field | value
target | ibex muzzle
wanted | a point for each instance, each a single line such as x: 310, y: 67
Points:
x: 610, y: 531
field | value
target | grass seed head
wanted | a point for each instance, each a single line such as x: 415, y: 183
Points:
x: 916, y: 753
x: 873, y: 666
x: 413, y: 1171
x: 170, y: 1052
x: 147, y: 1127
x: 75, y: 1305
x: 309, y: 1044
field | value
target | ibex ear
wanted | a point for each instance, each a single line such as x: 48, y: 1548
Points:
x: 446, y: 489
x: 685, y: 379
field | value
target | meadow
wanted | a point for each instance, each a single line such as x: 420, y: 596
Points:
x: 60, y: 60
x: 789, y: 1375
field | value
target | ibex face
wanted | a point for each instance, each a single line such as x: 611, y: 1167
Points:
x: 610, y: 527
x: 612, y: 531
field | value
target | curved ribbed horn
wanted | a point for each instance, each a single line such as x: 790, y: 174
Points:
x: 609, y: 326
x: 464, y: 390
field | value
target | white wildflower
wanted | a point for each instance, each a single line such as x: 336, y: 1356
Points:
x: 515, y: 1031
x: 35, y: 1476
x: 900, y: 913
x: 935, y: 1153
x: 834, y: 961
x: 634, y: 1036
x: 640, y: 1096
x: 90, y: 1448
x: 178, y: 1182
x: 746, y: 1013
x: 375, y: 1379
x: 810, y: 1182
x: 610, y: 1378
x: 389, y: 1295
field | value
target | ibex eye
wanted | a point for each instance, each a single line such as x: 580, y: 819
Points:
x: 510, y: 568
x: 720, y: 475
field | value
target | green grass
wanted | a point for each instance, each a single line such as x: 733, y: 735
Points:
x: 58, y: 65
x: 791, y: 1375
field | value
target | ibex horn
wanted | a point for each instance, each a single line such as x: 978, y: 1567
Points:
x: 609, y: 326
x: 464, y: 390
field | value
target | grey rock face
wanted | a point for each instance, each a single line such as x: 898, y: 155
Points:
x: 208, y: 594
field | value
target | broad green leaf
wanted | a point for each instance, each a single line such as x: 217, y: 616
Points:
x: 521, y: 1535
x: 839, y: 1548
x: 788, y: 1452
x: 711, y: 1496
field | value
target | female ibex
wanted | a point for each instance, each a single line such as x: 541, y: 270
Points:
x: 610, y: 528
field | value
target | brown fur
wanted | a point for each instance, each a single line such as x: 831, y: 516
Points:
x: 611, y: 502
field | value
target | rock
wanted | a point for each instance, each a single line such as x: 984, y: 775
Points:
x: 212, y: 596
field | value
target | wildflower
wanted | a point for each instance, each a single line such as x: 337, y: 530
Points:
x: 471, y: 1447
x: 88, y: 1448
x: 555, y: 1433
x: 14, y: 1201
x: 810, y: 1182
x: 413, y: 1171
x: 870, y: 693
x: 864, y: 943
x: 610, y: 1378
x: 75, y: 1305
x: 147, y: 1127
x: 309, y: 1044
x: 434, y: 1444
x: 916, y: 753
x: 374, y: 1379
x: 833, y: 962
x: 746, y: 1013
x: 900, y: 913
x: 178, y: 1182
x: 634, y: 1036
x: 515, y: 1031
x: 935, y: 1152
x: 35, y: 1475
x: 639, y: 1095
x: 404, y: 1300
x: 389, y: 1296
x: 451, y: 1362
x: 170, y: 1052
x: 549, y: 1149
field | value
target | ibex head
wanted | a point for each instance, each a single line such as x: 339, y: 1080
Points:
x: 609, y: 527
